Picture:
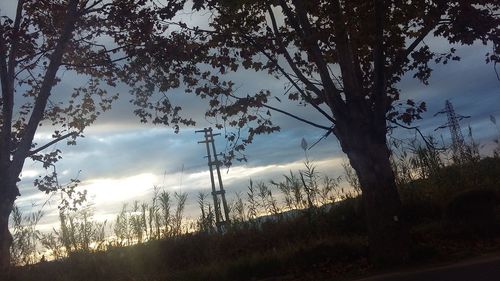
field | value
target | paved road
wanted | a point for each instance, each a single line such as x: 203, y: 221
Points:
x: 478, y: 269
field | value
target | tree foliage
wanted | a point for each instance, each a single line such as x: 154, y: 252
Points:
x: 43, y: 38
x: 335, y: 57
x: 44, y: 45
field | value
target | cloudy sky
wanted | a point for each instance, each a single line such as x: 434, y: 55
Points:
x: 121, y: 160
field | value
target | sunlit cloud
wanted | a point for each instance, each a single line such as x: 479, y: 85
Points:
x: 120, y: 159
x: 29, y: 173
x: 112, y: 190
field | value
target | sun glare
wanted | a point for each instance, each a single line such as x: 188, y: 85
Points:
x: 108, y: 190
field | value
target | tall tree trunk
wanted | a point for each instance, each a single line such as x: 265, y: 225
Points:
x: 12, y: 157
x: 365, y: 144
x: 7, y: 198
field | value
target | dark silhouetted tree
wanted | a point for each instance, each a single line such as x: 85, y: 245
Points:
x: 39, y: 40
x: 342, y: 59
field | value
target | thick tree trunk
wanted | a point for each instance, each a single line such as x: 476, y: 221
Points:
x: 366, y: 147
x: 13, y: 155
x: 7, y: 199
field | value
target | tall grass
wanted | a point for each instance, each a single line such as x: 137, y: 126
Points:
x: 25, y: 247
x: 302, y: 202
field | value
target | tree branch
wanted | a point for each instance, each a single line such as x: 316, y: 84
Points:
x: 297, y: 71
x: 427, y: 143
x: 7, y: 69
x: 431, y: 24
x: 298, y: 118
x: 95, y: 64
x: 275, y: 62
x: 48, y: 81
x: 29, y: 65
x: 332, y: 94
x: 63, y: 137
x: 379, y: 63
x: 15, y: 39
x: 6, y: 98
x: 289, y: 114
x: 288, y: 57
x: 92, y: 8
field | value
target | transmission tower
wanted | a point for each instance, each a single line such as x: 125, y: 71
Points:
x: 218, y: 195
x: 457, y: 139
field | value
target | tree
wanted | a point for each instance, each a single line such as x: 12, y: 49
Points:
x: 340, y: 58
x: 40, y: 40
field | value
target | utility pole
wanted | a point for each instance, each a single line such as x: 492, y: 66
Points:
x: 221, y: 216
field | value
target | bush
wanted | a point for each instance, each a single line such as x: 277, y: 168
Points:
x: 341, y: 251
x: 472, y: 213
x: 472, y: 206
x: 419, y: 209
x: 348, y: 216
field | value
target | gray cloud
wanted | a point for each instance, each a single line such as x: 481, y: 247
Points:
x: 118, y: 148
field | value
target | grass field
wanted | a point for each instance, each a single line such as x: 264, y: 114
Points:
x: 453, y: 213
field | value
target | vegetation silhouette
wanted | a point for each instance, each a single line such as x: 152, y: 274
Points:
x: 340, y: 59
x: 38, y: 41
x: 278, y: 230
x: 366, y: 40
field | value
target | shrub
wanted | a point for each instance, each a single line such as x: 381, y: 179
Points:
x: 472, y: 213
x: 419, y: 203
x: 472, y: 206
x: 348, y: 216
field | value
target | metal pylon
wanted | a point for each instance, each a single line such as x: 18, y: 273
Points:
x: 218, y: 195
x: 457, y: 139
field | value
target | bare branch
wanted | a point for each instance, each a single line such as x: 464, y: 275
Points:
x: 63, y: 137
x: 287, y: 76
x: 288, y: 57
x: 95, y: 64
x: 93, y: 8
x: 297, y: 118
x: 297, y: 71
x: 332, y: 94
x: 427, y: 143
x: 322, y: 138
x: 35, y: 62
x: 288, y: 114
